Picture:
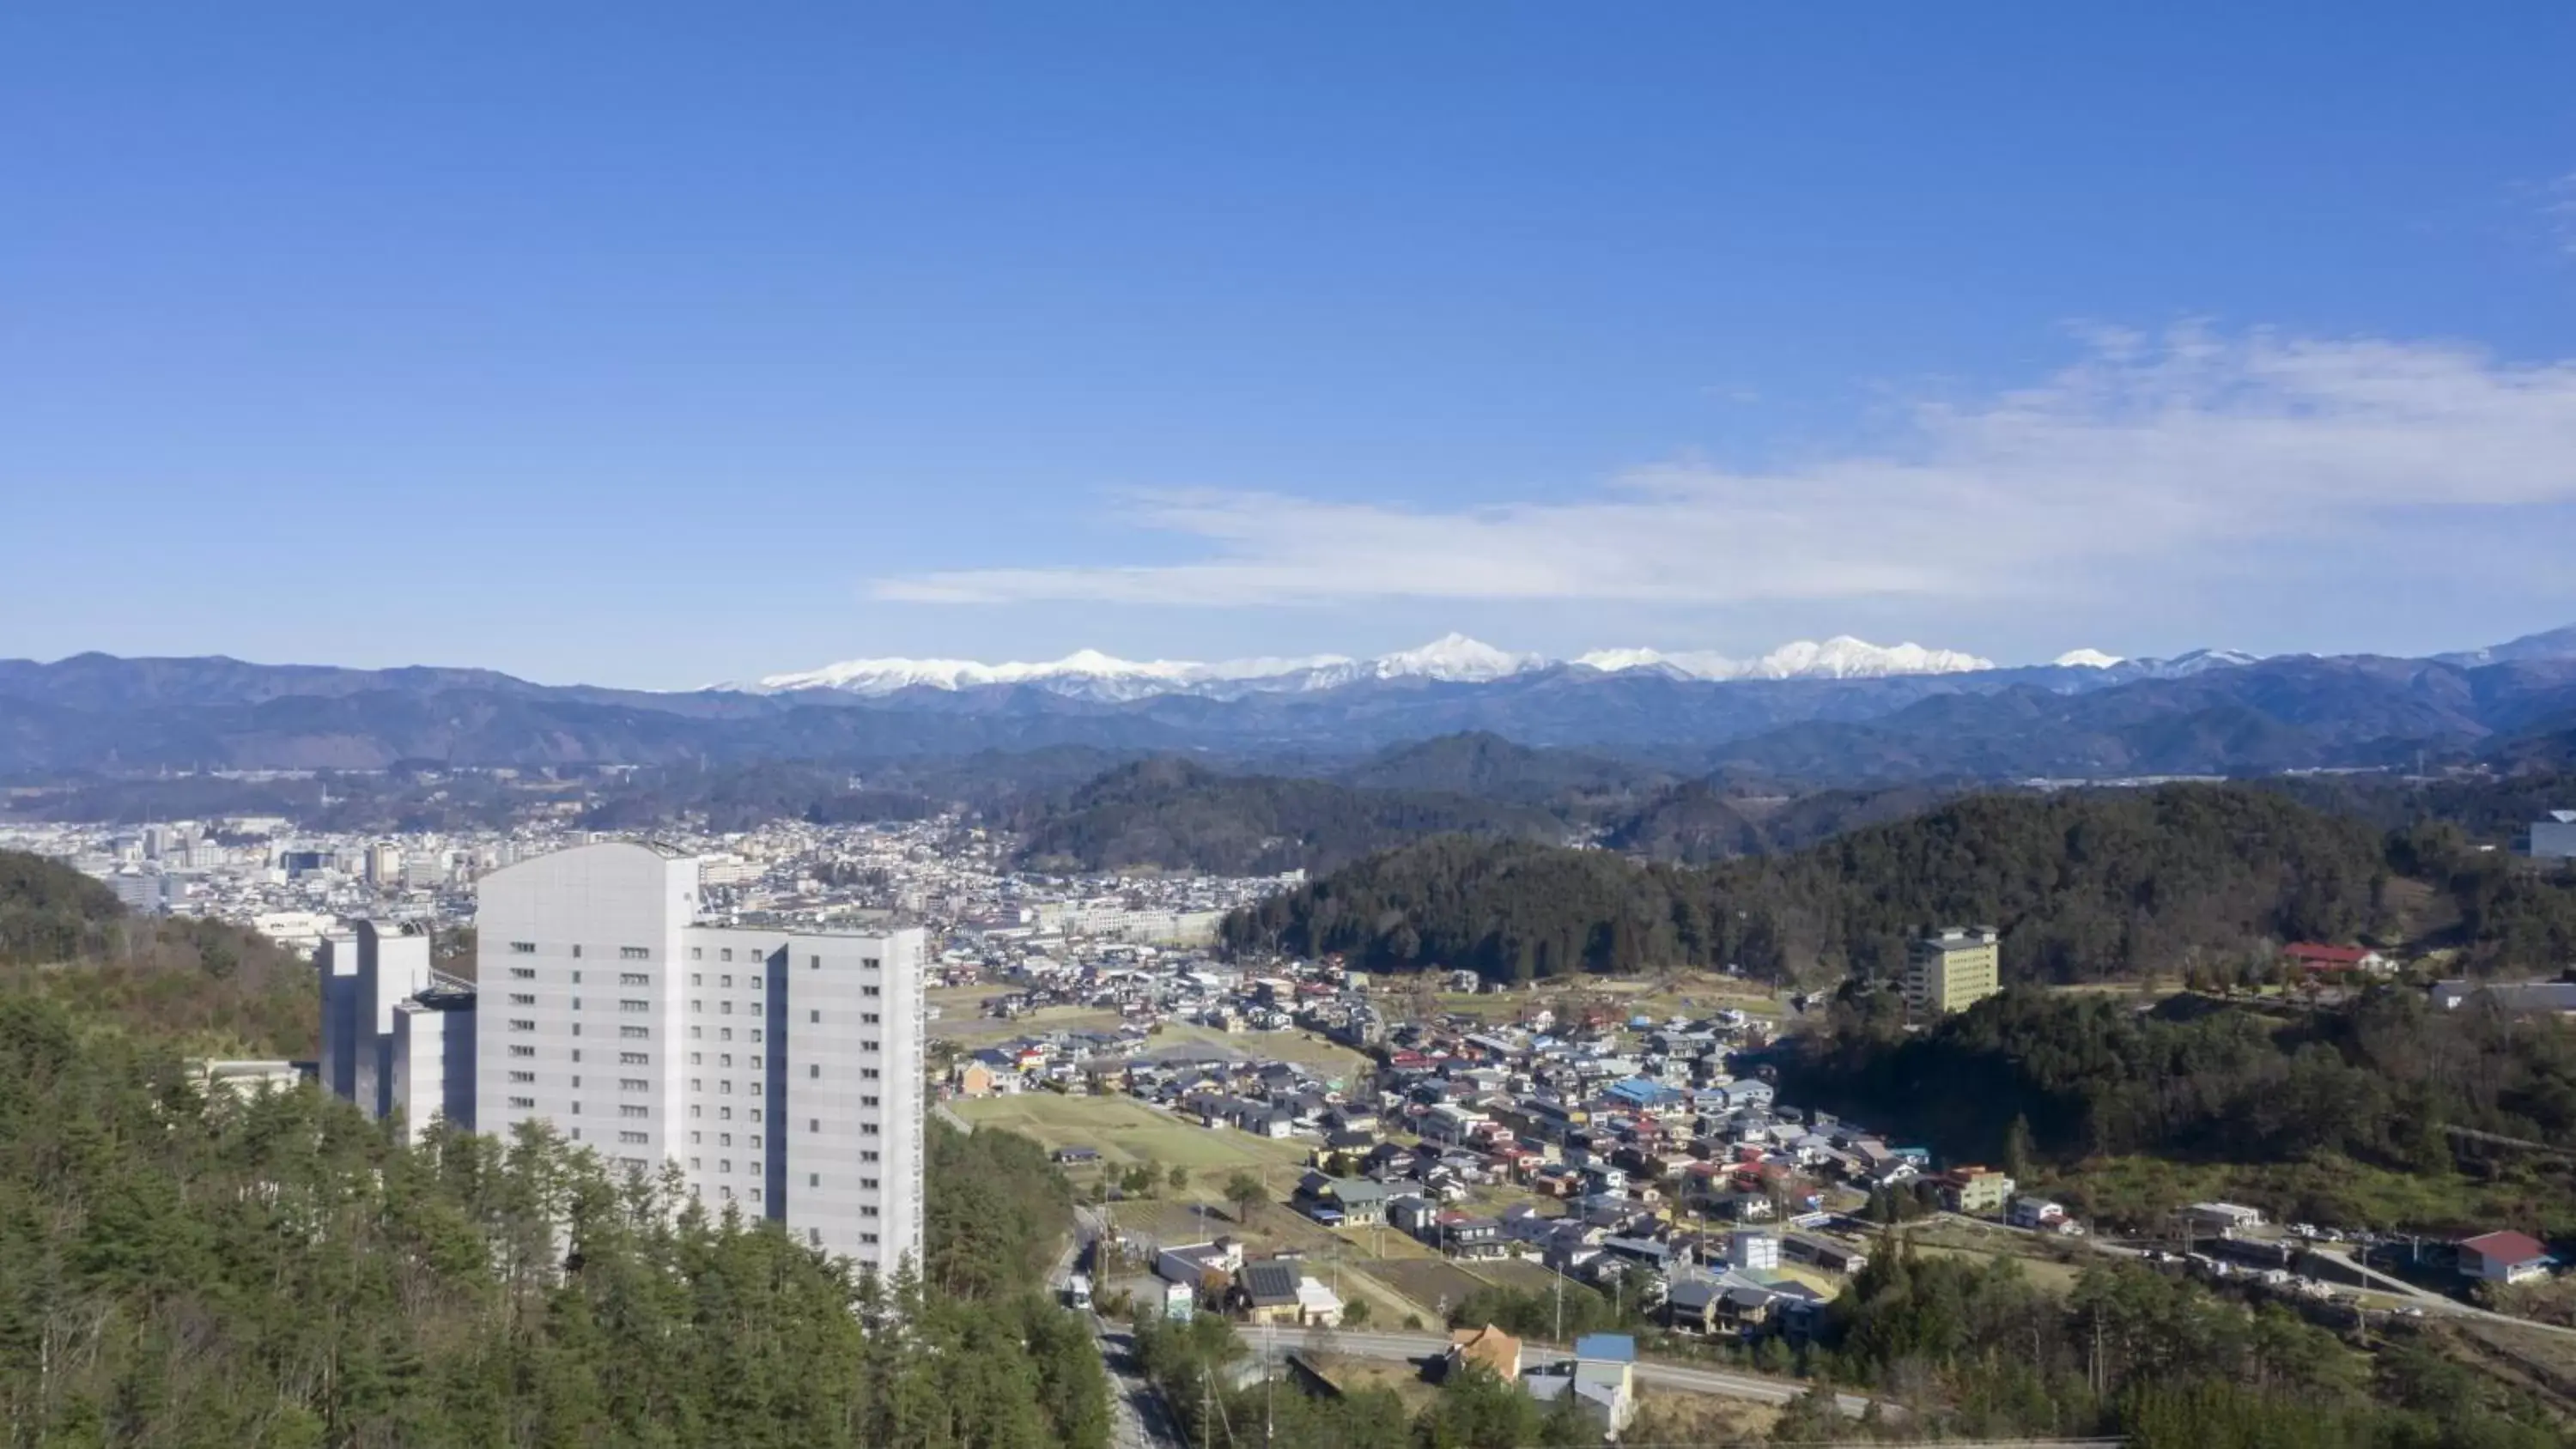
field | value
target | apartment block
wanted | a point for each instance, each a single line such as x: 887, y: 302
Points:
x: 782, y: 1070
x: 397, y: 1038
x: 1953, y: 969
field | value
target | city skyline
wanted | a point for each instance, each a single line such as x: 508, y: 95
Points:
x: 1192, y: 336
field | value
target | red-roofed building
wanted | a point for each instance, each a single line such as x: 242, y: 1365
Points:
x: 2505, y: 1258
x: 2315, y: 959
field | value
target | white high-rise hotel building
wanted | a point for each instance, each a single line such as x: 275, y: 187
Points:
x: 781, y: 1070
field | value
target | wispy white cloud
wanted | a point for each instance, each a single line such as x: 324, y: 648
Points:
x: 2146, y: 450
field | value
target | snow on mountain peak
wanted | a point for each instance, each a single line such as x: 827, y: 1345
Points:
x: 2085, y: 659
x: 1844, y: 657
x: 1611, y: 661
x: 1453, y: 657
x: 1841, y: 657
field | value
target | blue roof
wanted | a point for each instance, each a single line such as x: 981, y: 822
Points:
x: 1612, y: 1347
x: 1642, y: 1089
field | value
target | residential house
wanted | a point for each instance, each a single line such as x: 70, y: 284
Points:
x: 1318, y: 1306
x: 1412, y: 1213
x: 1488, y: 1348
x: 1266, y: 1119
x: 1475, y: 1239
x: 1342, y: 1201
x: 1975, y: 1190
x: 2311, y: 958
x: 1691, y: 1303
x: 1447, y: 1123
x: 1523, y: 1223
x: 1749, y: 1308
x: 977, y: 1077
x: 2506, y: 1257
x: 1198, y: 1265
x: 1603, y: 1382
x: 1357, y: 1122
x: 1266, y: 1291
x: 2034, y: 1212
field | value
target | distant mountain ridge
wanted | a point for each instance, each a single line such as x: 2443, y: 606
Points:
x: 1451, y: 658
x: 2209, y: 712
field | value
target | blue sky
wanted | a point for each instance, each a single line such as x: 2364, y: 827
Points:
x: 658, y: 345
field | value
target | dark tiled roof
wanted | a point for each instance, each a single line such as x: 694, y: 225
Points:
x: 1269, y: 1284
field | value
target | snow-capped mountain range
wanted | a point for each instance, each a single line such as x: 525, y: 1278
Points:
x: 1452, y: 658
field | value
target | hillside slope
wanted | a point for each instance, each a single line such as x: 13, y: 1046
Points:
x: 2083, y: 885
x: 1177, y: 815
x: 212, y: 986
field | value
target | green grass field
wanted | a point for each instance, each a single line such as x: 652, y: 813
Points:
x: 1303, y: 1048
x: 963, y: 1026
x: 2043, y: 1273
x: 1127, y: 1131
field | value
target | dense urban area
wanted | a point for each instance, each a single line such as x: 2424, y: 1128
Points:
x: 2166, y: 1112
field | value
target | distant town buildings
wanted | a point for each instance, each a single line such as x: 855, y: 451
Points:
x: 1953, y: 969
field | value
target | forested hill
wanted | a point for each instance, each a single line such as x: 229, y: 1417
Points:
x: 2035, y: 1078
x: 1178, y: 814
x: 49, y: 911
x: 184, y: 1268
x: 213, y: 987
x: 176, y: 1269
x: 1182, y: 816
x: 2083, y: 885
x: 1697, y: 822
x: 1489, y: 767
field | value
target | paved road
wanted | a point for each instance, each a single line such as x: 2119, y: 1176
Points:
x: 1719, y: 1382
x: 1138, y: 1418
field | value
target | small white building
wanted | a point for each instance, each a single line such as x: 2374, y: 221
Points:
x: 299, y: 931
x: 1318, y: 1306
x: 1753, y: 1252
x: 2034, y: 1212
x: 2227, y: 1219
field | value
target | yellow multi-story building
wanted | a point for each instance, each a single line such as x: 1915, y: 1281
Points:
x: 1953, y: 969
